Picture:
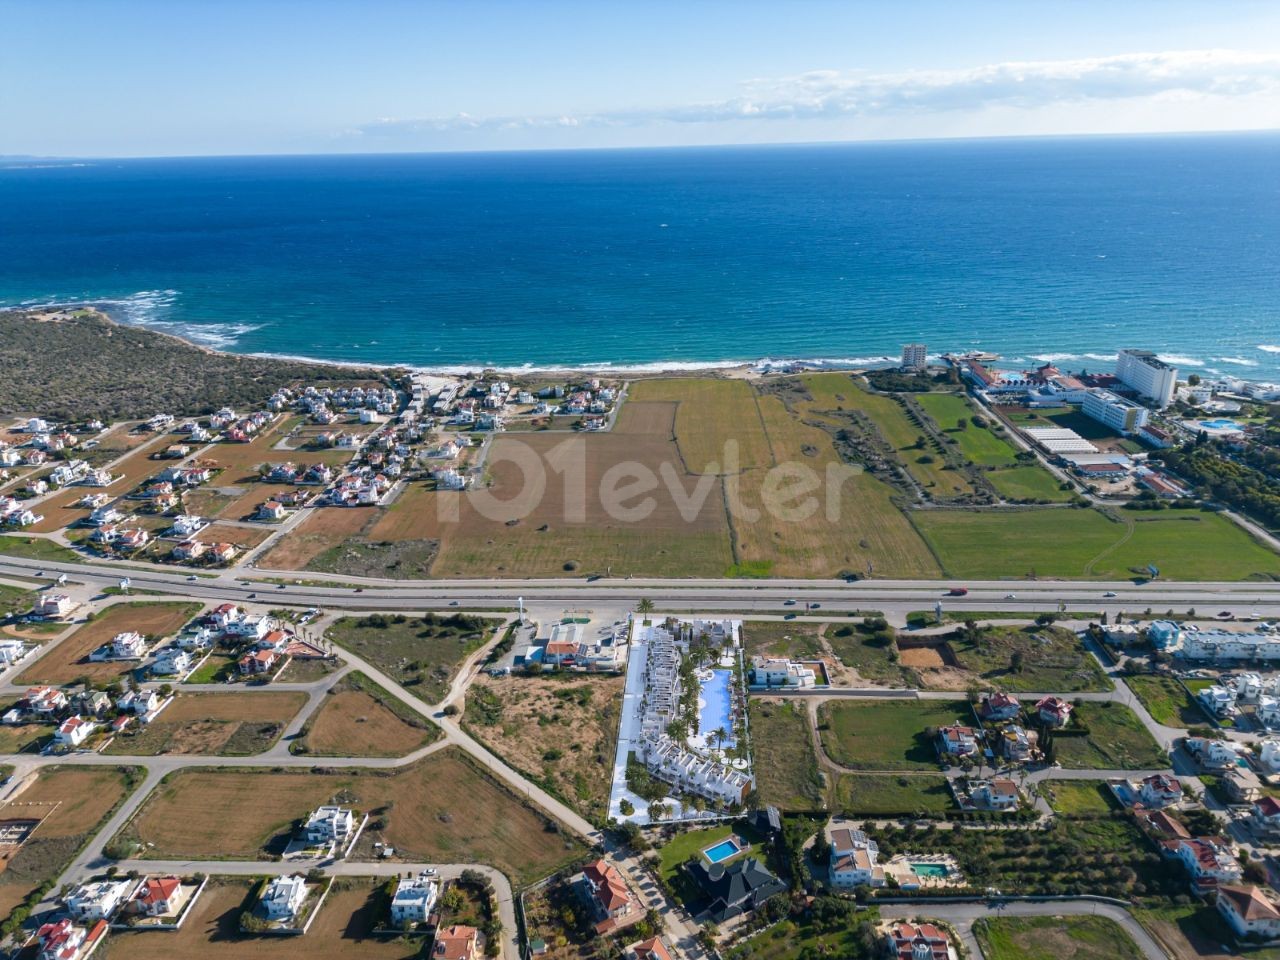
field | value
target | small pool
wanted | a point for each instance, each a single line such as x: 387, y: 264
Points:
x: 1220, y: 424
x: 722, y: 850
x: 930, y: 870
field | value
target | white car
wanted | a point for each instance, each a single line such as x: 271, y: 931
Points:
x: 1109, y: 594
x: 1011, y: 596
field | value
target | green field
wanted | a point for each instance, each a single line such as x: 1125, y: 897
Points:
x: 1117, y: 740
x: 885, y: 794
x: 1028, y: 483
x: 711, y: 414
x: 886, y: 734
x: 979, y: 445
x: 1052, y: 658
x: 421, y: 653
x: 34, y: 548
x: 1054, y: 938
x: 1166, y: 701
x: 1075, y: 797
x: 786, y: 762
x: 1069, y: 543
x: 831, y: 928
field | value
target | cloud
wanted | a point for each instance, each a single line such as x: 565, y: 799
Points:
x: 836, y: 94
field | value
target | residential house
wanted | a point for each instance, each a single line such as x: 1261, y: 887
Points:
x: 1053, y: 711
x: 64, y: 940
x: 53, y: 606
x: 172, y: 661
x: 414, y: 899
x: 730, y: 891
x: 189, y: 550
x: 271, y: 510
x: 141, y: 702
x: 781, y: 672
x: 157, y: 896
x: 957, y: 741
x: 258, y: 663
x: 11, y: 651
x: 105, y: 514
x: 999, y: 706
x: 73, y: 732
x: 1015, y: 744
x: 1220, y: 701
x: 457, y: 942
x: 924, y: 941
x: 603, y: 887
x: 853, y: 859
x: 1265, y: 817
x: 93, y: 703
x: 1208, y: 860
x: 226, y: 616
x: 129, y: 645
x: 1163, y: 825
x: 185, y: 525
x: 1160, y: 790
x: 253, y: 626
x: 329, y: 824
x: 134, y: 539
x: 1242, y: 785
x: 1248, y: 912
x: 998, y: 794
x: 283, y: 897
x: 222, y: 552
x: 1215, y: 755
x: 97, y: 900
x: 651, y: 949
x: 45, y: 701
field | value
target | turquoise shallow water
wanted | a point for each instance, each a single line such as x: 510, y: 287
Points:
x: 1059, y: 248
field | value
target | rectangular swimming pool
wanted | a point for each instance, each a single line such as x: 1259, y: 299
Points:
x: 929, y: 870
x: 722, y: 850
x: 716, y: 710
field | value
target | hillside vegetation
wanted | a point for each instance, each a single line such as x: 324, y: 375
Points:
x: 88, y: 366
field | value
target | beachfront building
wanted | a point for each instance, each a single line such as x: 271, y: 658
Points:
x: 1146, y: 374
x: 1123, y: 416
x: 689, y: 751
x: 914, y: 356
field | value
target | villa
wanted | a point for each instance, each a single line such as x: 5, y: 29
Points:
x: 283, y: 897
x: 129, y: 645
x: 1016, y: 744
x: 602, y: 886
x: 1209, y: 861
x: 730, y: 891
x: 781, y: 672
x: 73, y: 732
x: 157, y: 897
x: 457, y: 942
x: 97, y: 900
x: 329, y: 825
x: 1265, y: 817
x: 64, y: 940
x: 1248, y: 912
x: 999, y: 706
x: 141, y: 703
x: 957, y: 741
x: 1054, y: 711
x: 853, y: 859
x: 413, y: 899
x: 905, y: 941
x: 651, y: 949
x: 53, y: 606
x: 998, y: 794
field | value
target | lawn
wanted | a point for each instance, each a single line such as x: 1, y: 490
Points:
x: 71, y: 803
x: 558, y: 730
x: 1117, y: 740
x: 1054, y: 938
x: 420, y: 653
x: 1047, y: 658
x: 980, y: 445
x: 357, y: 718
x: 1166, y: 701
x: 794, y: 640
x: 874, y: 656
x: 68, y: 661
x: 1194, y: 931
x: 16, y: 600
x: 34, y: 548
x: 235, y: 723
x: 886, y: 734
x: 685, y: 846
x: 1030, y: 482
x: 1076, y: 797
x: 443, y: 809
x: 1184, y: 545
x: 214, y: 669
x: 803, y: 938
x: 786, y: 762
x: 353, y: 908
x: 888, y: 795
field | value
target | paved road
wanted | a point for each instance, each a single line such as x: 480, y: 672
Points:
x: 962, y: 916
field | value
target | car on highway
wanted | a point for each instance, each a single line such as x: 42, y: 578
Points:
x: 958, y: 592
x: 280, y: 586
x: 1011, y: 596
x: 1225, y: 615
x: 788, y: 603
x: 1109, y: 594
x: 193, y: 577
x: 252, y: 596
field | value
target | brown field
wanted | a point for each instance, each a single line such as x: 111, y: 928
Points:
x: 654, y: 418
x: 340, y: 930
x: 326, y: 527
x: 207, y: 501
x: 711, y: 413
x: 213, y: 723
x: 561, y: 733
x: 360, y: 719
x: 925, y: 658
x: 74, y: 802
x: 244, y: 537
x: 245, y: 503
x: 67, y: 661
x: 441, y: 809
x: 406, y: 518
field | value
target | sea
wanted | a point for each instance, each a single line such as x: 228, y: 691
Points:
x: 1039, y: 249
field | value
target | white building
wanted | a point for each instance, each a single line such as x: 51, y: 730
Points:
x: 414, y: 899
x: 781, y: 672
x: 1225, y: 645
x: 138, y: 702
x: 172, y: 661
x: 1143, y: 371
x: 74, y: 731
x: 329, y: 824
x: 129, y: 645
x: 98, y: 900
x: 1123, y: 416
x: 914, y: 356
x: 284, y: 897
x: 853, y: 859
x: 1247, y: 911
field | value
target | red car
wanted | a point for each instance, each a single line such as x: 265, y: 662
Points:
x: 958, y: 592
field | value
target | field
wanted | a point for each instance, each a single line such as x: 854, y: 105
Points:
x: 979, y: 445
x: 246, y: 538
x: 1028, y: 483
x: 560, y: 732
x: 1194, y: 931
x: 710, y: 415
x: 887, y: 795
x: 204, y: 724
x: 1050, y: 658
x: 785, y: 760
x: 1117, y: 740
x: 68, y: 660
x: 1076, y: 797
x: 1166, y: 701
x: 73, y: 801
x: 15, y: 599
x: 359, y: 719
x: 340, y: 930
x: 326, y: 528
x: 886, y: 734
x: 1054, y: 938
x: 1184, y: 545
x: 421, y: 653
x: 441, y: 809
x: 34, y: 548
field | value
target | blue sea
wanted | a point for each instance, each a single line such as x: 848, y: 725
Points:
x: 1049, y: 248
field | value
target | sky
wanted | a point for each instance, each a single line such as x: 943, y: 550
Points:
x: 97, y: 78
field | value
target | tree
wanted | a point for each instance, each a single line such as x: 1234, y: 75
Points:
x: 1016, y: 661
x: 645, y: 606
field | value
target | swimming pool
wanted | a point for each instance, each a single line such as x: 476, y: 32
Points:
x: 930, y: 870
x: 722, y: 850
x: 1220, y: 424
x: 716, y: 712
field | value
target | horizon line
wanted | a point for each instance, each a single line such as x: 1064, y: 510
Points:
x: 775, y: 144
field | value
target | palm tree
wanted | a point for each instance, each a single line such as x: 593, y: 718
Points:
x: 720, y: 735
x: 645, y: 606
